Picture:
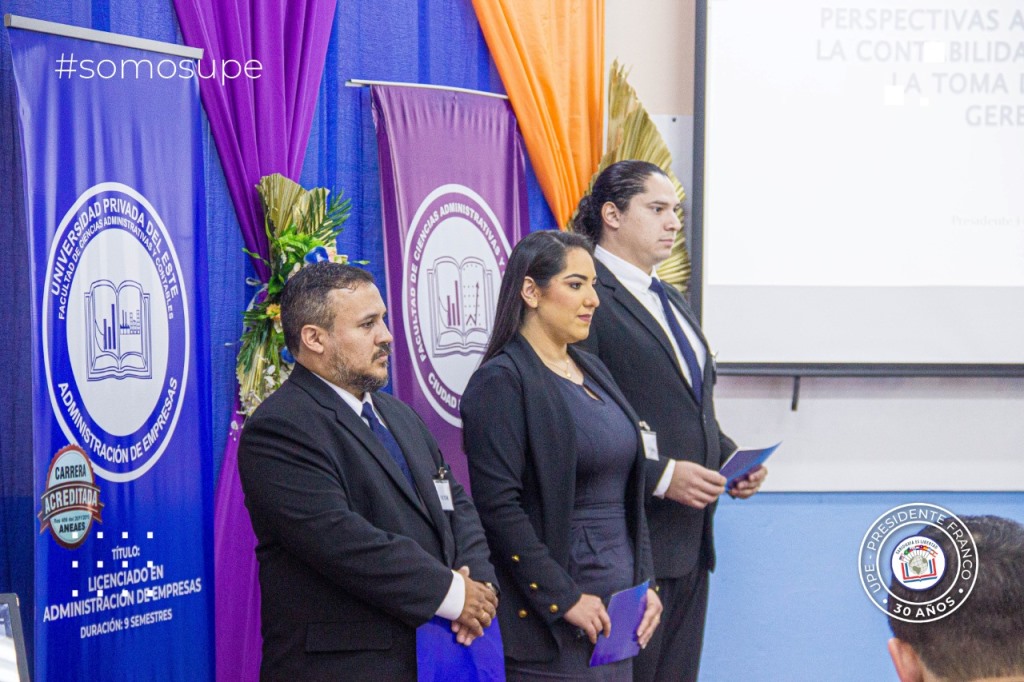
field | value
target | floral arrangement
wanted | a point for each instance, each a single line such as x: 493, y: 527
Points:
x: 302, y: 227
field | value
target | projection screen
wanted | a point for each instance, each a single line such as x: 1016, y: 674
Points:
x: 859, y: 183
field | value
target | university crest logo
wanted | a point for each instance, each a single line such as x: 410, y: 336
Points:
x: 918, y: 563
x: 115, y: 331
x: 455, y: 255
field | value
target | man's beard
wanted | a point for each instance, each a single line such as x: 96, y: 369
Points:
x: 363, y: 382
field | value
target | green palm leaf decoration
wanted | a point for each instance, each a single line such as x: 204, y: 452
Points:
x: 632, y: 135
x: 302, y: 227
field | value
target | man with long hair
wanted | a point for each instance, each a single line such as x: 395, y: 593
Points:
x: 650, y: 340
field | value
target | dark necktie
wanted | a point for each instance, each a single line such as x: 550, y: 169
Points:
x: 696, y: 379
x: 389, y: 442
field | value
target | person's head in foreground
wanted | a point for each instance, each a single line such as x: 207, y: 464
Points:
x: 983, y: 639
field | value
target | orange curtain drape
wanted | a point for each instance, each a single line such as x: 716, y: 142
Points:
x: 550, y: 54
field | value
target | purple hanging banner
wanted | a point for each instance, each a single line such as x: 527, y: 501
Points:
x: 453, y: 186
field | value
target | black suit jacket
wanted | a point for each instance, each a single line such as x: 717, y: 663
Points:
x: 639, y: 355
x: 520, y: 445
x: 351, y: 559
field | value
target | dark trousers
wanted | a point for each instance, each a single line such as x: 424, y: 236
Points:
x: 673, y: 654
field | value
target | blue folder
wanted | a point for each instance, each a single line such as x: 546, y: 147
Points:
x: 439, y: 658
x: 742, y: 461
x: 626, y: 610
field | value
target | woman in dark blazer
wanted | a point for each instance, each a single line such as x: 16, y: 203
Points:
x: 556, y: 460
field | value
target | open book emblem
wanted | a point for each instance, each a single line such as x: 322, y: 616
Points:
x: 455, y: 252
x: 118, y: 343
x: 461, y: 304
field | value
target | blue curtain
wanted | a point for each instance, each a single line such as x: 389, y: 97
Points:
x: 18, y: 523
x: 436, y: 41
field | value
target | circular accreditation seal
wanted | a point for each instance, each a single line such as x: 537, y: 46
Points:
x: 115, y: 330
x: 71, y: 501
x: 900, y: 548
x: 455, y: 255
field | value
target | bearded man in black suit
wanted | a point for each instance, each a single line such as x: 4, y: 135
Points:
x: 356, y: 548
x: 649, y: 338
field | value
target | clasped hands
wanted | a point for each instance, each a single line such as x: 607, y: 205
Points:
x: 697, y: 486
x: 478, y: 610
x: 590, y: 616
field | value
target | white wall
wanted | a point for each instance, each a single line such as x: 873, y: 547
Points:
x: 882, y: 433
x: 848, y: 434
x: 654, y: 39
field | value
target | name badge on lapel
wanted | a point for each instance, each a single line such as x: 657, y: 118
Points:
x: 650, y: 441
x: 444, y: 490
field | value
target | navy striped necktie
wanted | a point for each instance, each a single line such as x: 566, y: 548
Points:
x: 696, y: 377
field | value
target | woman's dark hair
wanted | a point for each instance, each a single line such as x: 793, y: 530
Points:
x: 618, y: 183
x: 540, y: 256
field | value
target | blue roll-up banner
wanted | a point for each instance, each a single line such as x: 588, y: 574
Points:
x: 111, y: 137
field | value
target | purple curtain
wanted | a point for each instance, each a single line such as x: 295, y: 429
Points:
x: 260, y: 120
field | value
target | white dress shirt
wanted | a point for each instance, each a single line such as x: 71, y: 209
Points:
x: 455, y: 600
x: 638, y: 283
